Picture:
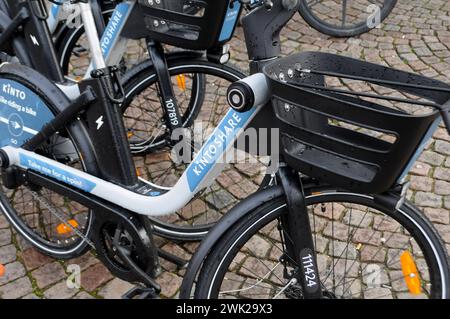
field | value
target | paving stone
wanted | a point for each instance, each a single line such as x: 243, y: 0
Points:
x: 444, y: 231
x: 84, y: 262
x: 83, y: 295
x: 421, y: 169
x: 438, y: 215
x: 3, y: 222
x: 220, y: 199
x: 16, y: 289
x: 33, y: 258
x: 48, y: 274
x: 115, y: 289
x: 442, y: 147
x: 421, y: 183
x: 447, y: 202
x: 442, y: 188
x: 414, y: 38
x: 7, y: 254
x: 432, y: 158
x: 170, y: 284
x: 12, y: 271
x: 428, y: 200
x: 442, y: 174
x: 23, y: 243
x: 60, y: 291
x: 94, y: 277
x: 5, y: 237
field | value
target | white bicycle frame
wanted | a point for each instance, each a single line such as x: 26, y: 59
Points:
x: 111, y: 47
x: 205, y: 167
x: 199, y: 174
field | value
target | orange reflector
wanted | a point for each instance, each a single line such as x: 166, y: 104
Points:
x: 410, y: 273
x: 130, y: 134
x: 63, y: 229
x: 138, y: 172
x: 2, y: 270
x: 181, y: 80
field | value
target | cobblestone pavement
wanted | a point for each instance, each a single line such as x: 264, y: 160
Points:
x: 416, y: 37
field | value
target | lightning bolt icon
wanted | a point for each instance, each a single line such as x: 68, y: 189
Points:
x: 35, y: 41
x: 99, y: 122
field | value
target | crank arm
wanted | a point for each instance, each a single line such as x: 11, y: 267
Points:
x: 125, y: 256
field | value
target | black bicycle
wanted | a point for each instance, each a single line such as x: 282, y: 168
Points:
x: 344, y: 229
x: 199, y: 88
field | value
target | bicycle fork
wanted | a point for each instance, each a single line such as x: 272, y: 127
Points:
x: 172, y: 115
x: 296, y: 230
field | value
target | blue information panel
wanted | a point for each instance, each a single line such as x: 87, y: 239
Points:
x: 22, y: 113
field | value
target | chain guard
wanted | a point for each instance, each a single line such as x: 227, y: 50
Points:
x: 135, y: 237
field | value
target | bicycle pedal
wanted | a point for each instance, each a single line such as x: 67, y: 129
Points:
x: 141, y: 293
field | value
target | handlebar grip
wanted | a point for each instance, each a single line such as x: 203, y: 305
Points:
x: 247, y: 93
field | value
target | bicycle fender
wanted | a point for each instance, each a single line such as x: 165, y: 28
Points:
x: 234, y: 215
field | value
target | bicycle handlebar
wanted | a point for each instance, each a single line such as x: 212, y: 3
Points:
x: 249, y: 92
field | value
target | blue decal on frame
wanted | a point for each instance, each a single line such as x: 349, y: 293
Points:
x: 214, y: 148
x: 55, y: 10
x: 114, y: 26
x: 230, y: 21
x: 56, y: 173
x: 22, y: 113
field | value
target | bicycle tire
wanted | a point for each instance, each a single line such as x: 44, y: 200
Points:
x: 222, y: 254
x: 77, y: 133
x: 336, y: 31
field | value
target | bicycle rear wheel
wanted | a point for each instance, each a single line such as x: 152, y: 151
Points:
x: 52, y: 223
x: 364, y: 250
x: 345, y: 18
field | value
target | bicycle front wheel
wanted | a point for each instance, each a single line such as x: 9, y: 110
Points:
x: 345, y: 18
x: 364, y: 250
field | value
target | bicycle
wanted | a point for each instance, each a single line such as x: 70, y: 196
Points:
x: 189, y: 67
x: 145, y: 131
x: 65, y: 224
x: 149, y: 135
x: 345, y: 229
x: 119, y: 209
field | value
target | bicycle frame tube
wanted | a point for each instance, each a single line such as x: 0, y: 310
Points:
x: 419, y: 150
x: 112, y: 45
x: 199, y: 174
x: 92, y: 36
x: 53, y: 17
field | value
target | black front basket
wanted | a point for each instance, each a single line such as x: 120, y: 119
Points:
x: 366, y: 142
